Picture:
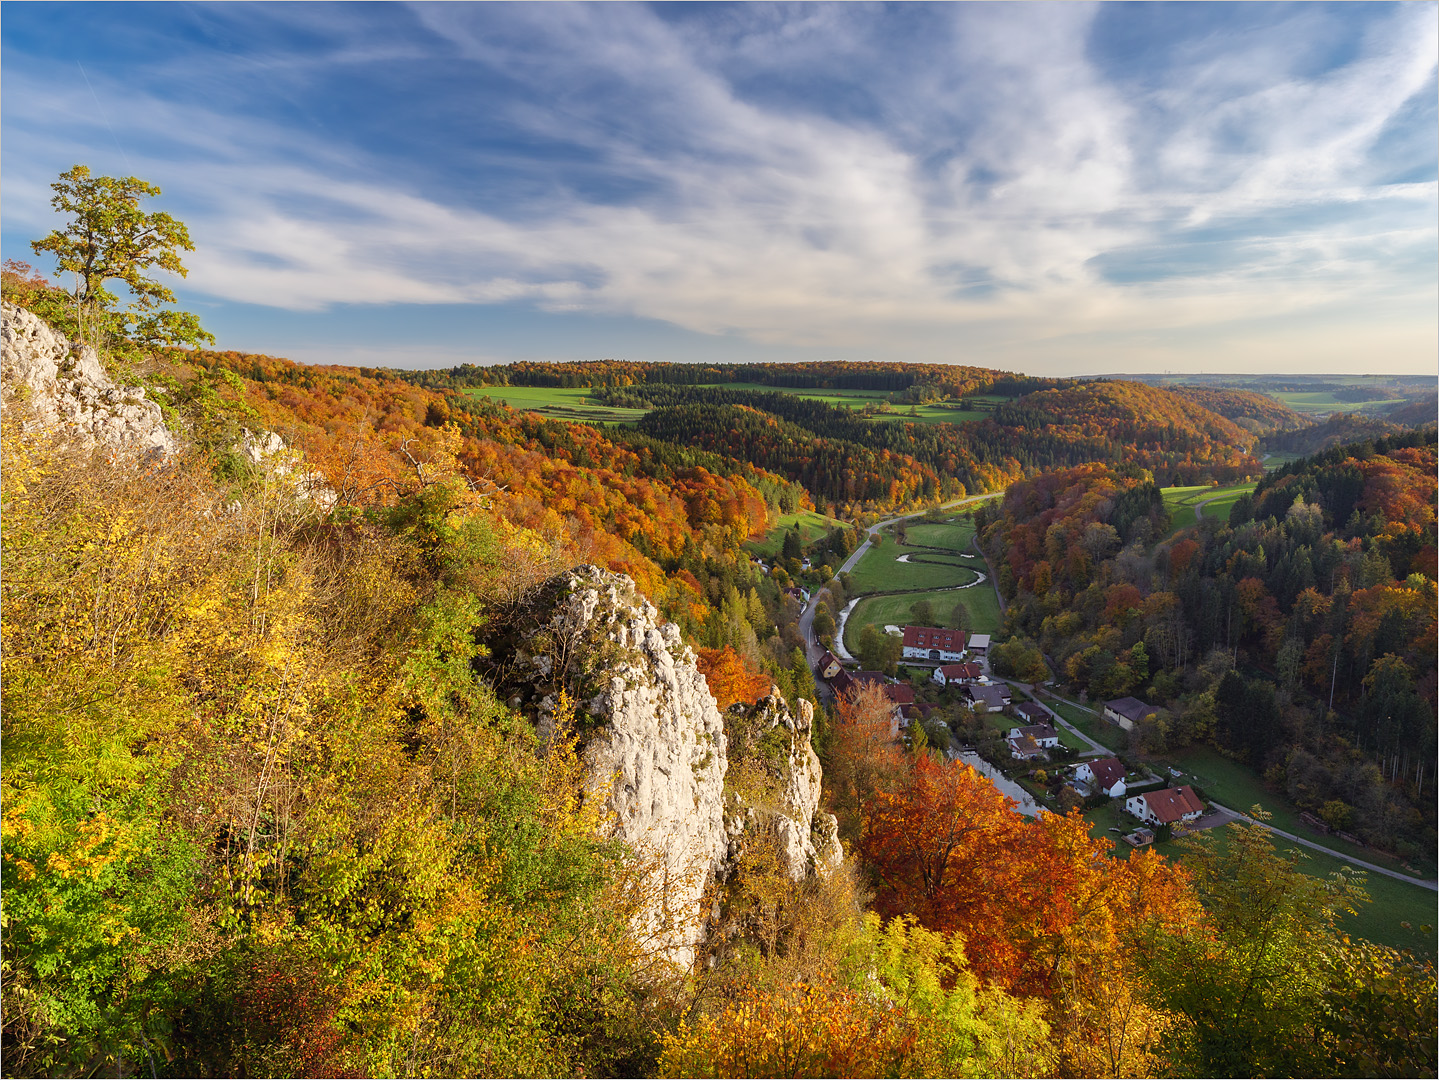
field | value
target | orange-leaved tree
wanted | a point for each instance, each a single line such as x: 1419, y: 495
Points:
x: 730, y: 678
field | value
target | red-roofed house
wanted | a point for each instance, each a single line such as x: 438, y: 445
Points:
x: 1104, y: 774
x: 828, y: 666
x: 951, y: 674
x: 931, y: 643
x: 1166, y: 807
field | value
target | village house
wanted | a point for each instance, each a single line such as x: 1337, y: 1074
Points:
x: 802, y: 595
x: 994, y: 695
x: 1167, y: 807
x: 1026, y: 748
x: 828, y: 665
x: 1104, y: 774
x: 955, y: 674
x: 1043, y: 735
x: 1033, y: 713
x: 932, y: 643
x: 979, y: 644
x: 1126, y: 711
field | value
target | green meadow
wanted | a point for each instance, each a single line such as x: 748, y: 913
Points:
x: 812, y: 526
x: 572, y: 403
x: 1187, y: 503
x: 940, y: 543
x: 1323, y: 402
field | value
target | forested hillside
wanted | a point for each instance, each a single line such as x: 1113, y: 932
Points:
x: 1298, y: 635
x: 284, y: 796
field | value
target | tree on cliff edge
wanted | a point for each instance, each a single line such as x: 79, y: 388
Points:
x: 110, y: 238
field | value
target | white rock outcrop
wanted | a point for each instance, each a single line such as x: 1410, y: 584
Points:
x: 808, y: 837
x: 653, y: 739
x: 655, y: 745
x: 66, y: 390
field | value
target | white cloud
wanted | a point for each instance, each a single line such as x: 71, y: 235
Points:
x: 1018, y: 167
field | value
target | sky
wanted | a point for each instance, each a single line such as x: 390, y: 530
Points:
x: 1058, y: 189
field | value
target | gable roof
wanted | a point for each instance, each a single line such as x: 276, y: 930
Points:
x: 932, y: 637
x: 1171, y: 804
x: 1039, y: 731
x: 979, y: 641
x: 990, y: 694
x: 827, y: 659
x: 1032, y: 711
x: 900, y: 693
x: 1107, y: 771
x: 1131, y: 708
x: 960, y: 671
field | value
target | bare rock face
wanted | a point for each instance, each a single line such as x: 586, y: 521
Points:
x: 268, y: 453
x: 655, y: 744
x: 66, y: 389
x: 653, y: 739
x: 777, y: 739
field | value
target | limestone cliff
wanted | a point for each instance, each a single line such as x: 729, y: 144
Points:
x: 774, y: 740
x: 66, y: 390
x: 654, y: 741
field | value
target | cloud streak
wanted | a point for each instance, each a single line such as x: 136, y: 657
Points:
x: 1006, y: 189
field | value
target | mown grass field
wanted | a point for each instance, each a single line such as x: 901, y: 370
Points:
x: 811, y: 525
x: 881, y: 611
x: 952, y: 535
x: 579, y: 404
x: 575, y: 404
x: 1184, y: 502
x: 1392, y: 903
x: 1237, y: 787
x: 1096, y: 727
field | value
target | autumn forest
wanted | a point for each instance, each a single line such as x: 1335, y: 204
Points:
x: 272, y: 808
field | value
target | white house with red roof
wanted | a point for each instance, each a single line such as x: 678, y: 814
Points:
x: 1103, y: 774
x: 932, y: 643
x: 952, y: 674
x: 1167, y: 807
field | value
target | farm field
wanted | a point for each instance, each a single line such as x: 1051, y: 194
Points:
x: 1183, y: 502
x: 952, y: 535
x: 573, y: 403
x: 881, y: 571
x: 1323, y: 402
x: 1278, y: 458
x: 881, y: 611
x: 811, y: 525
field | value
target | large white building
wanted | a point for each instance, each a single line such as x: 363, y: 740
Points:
x: 932, y: 643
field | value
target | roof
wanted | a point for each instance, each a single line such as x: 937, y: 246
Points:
x: 1131, y: 708
x: 827, y: 659
x: 991, y: 695
x: 979, y: 641
x: 1107, y: 771
x: 960, y: 671
x: 900, y: 693
x: 931, y: 637
x: 1039, y: 731
x: 1172, y: 804
x: 1032, y: 711
x: 918, y: 711
x: 1025, y: 746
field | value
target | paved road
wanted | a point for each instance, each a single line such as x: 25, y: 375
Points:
x: 1424, y: 883
x: 813, y: 649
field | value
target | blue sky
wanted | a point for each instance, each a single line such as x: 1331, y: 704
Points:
x: 1055, y: 189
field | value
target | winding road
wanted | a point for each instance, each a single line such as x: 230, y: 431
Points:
x: 813, y: 649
